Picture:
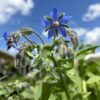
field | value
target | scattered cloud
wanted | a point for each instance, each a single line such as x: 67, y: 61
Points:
x: 80, y: 31
x: 89, y: 36
x: 13, y: 51
x: 8, y: 8
x: 92, y: 13
x: 93, y: 36
x: 45, y: 34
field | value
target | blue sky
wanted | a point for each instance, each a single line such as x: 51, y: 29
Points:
x: 28, y: 13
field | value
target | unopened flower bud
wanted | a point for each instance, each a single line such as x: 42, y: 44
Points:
x: 69, y: 52
x: 65, y: 51
x: 62, y: 50
x: 73, y: 36
x: 74, y: 40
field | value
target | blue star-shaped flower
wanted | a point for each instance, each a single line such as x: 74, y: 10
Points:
x: 56, y: 23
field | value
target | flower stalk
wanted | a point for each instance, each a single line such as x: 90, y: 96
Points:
x: 38, y: 36
x: 65, y: 87
x: 32, y: 42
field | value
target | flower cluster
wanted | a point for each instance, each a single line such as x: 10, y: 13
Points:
x: 55, y: 24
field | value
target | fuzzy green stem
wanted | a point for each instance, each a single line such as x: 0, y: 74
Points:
x: 64, y: 86
x: 84, y: 86
x: 4, y: 77
x: 39, y: 37
x: 33, y: 43
x: 97, y: 90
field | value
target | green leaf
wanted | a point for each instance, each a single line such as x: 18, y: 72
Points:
x: 93, y: 79
x: 28, y: 94
x: 29, y: 48
x: 86, y: 50
x: 29, y: 54
x: 3, y: 92
x: 47, y: 47
x: 86, y: 95
x: 37, y: 91
x: 77, y: 97
x: 46, y: 90
x: 55, y: 42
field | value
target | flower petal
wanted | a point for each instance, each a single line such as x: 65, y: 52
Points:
x: 65, y: 19
x: 51, y: 32
x: 54, y: 14
x: 62, y: 31
x: 5, y: 35
x: 45, y: 22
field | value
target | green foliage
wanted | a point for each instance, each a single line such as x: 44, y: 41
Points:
x: 51, y: 72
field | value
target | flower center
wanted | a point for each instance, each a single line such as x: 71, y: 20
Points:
x: 55, y: 23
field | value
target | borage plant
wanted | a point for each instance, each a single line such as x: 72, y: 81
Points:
x: 54, y: 71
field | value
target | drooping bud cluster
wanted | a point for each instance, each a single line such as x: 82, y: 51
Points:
x: 11, y: 40
x: 64, y: 50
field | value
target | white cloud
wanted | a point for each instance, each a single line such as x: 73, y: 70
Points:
x: 89, y: 36
x: 80, y: 31
x: 8, y: 8
x: 12, y: 51
x: 45, y: 34
x: 92, y: 13
x: 93, y: 36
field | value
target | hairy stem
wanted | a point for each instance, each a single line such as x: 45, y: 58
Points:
x: 84, y: 87
x: 39, y: 37
x: 64, y: 85
x: 3, y: 77
x: 32, y: 42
